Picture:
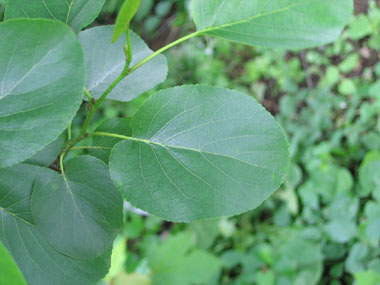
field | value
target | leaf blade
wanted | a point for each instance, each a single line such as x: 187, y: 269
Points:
x: 126, y: 14
x: 186, y: 154
x: 41, y: 86
x: 279, y: 24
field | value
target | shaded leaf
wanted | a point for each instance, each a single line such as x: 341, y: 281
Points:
x: 81, y: 215
x: 49, y: 154
x: 76, y: 13
x: 275, y: 23
x: 200, y: 152
x: 40, y: 263
x: 105, y: 62
x: 41, y: 85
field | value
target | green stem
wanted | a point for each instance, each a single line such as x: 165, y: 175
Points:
x: 104, y: 134
x: 69, y: 131
x: 161, y: 50
x: 126, y: 71
x: 89, y: 147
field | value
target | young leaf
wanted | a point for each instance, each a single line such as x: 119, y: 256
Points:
x: 105, y: 61
x: 102, y: 146
x: 10, y: 274
x: 40, y: 263
x: 273, y: 23
x: 41, y: 85
x: 80, y: 213
x: 16, y: 184
x: 200, y: 152
x: 76, y: 13
x: 126, y: 13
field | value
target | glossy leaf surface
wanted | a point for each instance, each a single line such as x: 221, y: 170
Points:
x: 200, y: 152
x: 105, y: 62
x: 126, y: 13
x: 81, y: 215
x: 76, y: 13
x: 273, y: 23
x: 42, y: 76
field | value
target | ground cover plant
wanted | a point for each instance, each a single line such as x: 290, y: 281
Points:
x: 188, y: 153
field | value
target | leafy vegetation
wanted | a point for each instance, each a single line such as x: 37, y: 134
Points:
x: 322, y: 226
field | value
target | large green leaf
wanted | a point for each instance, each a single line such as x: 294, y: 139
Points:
x: 10, y: 274
x: 200, y: 152
x: 273, y: 23
x: 16, y: 184
x: 76, y: 13
x: 105, y: 61
x: 40, y: 263
x: 80, y: 213
x: 42, y: 77
x: 102, y: 146
x: 126, y: 13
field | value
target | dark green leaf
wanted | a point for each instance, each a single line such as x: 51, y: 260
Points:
x: 41, y: 85
x: 200, y: 152
x: 10, y: 274
x: 274, y: 23
x: 49, y: 154
x: 76, y: 13
x: 126, y: 13
x: 16, y: 184
x: 105, y: 61
x: 40, y: 263
x: 80, y: 214
x: 102, y: 146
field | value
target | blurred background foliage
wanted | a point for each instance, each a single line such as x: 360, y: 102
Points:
x: 323, y: 225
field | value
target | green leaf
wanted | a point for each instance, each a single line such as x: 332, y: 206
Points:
x: 126, y: 13
x: 275, y: 23
x: 80, y: 213
x: 102, y: 146
x: 200, y: 152
x: 16, y: 184
x: 368, y: 277
x: 41, y: 85
x: 173, y: 262
x: 40, y: 263
x: 10, y: 274
x: 49, y: 154
x: 369, y: 174
x: 357, y: 258
x: 76, y: 13
x: 341, y: 230
x: 105, y: 62
x: 360, y: 28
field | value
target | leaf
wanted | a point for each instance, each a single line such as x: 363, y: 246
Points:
x: 41, y: 85
x: 126, y: 14
x: 102, y: 146
x: 76, y: 13
x: 368, y: 277
x: 105, y: 62
x: 369, y: 175
x: 40, y: 263
x: 341, y: 230
x: 49, y: 154
x: 200, y: 152
x: 16, y: 184
x: 173, y: 262
x: 10, y: 274
x: 273, y: 23
x: 79, y: 214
